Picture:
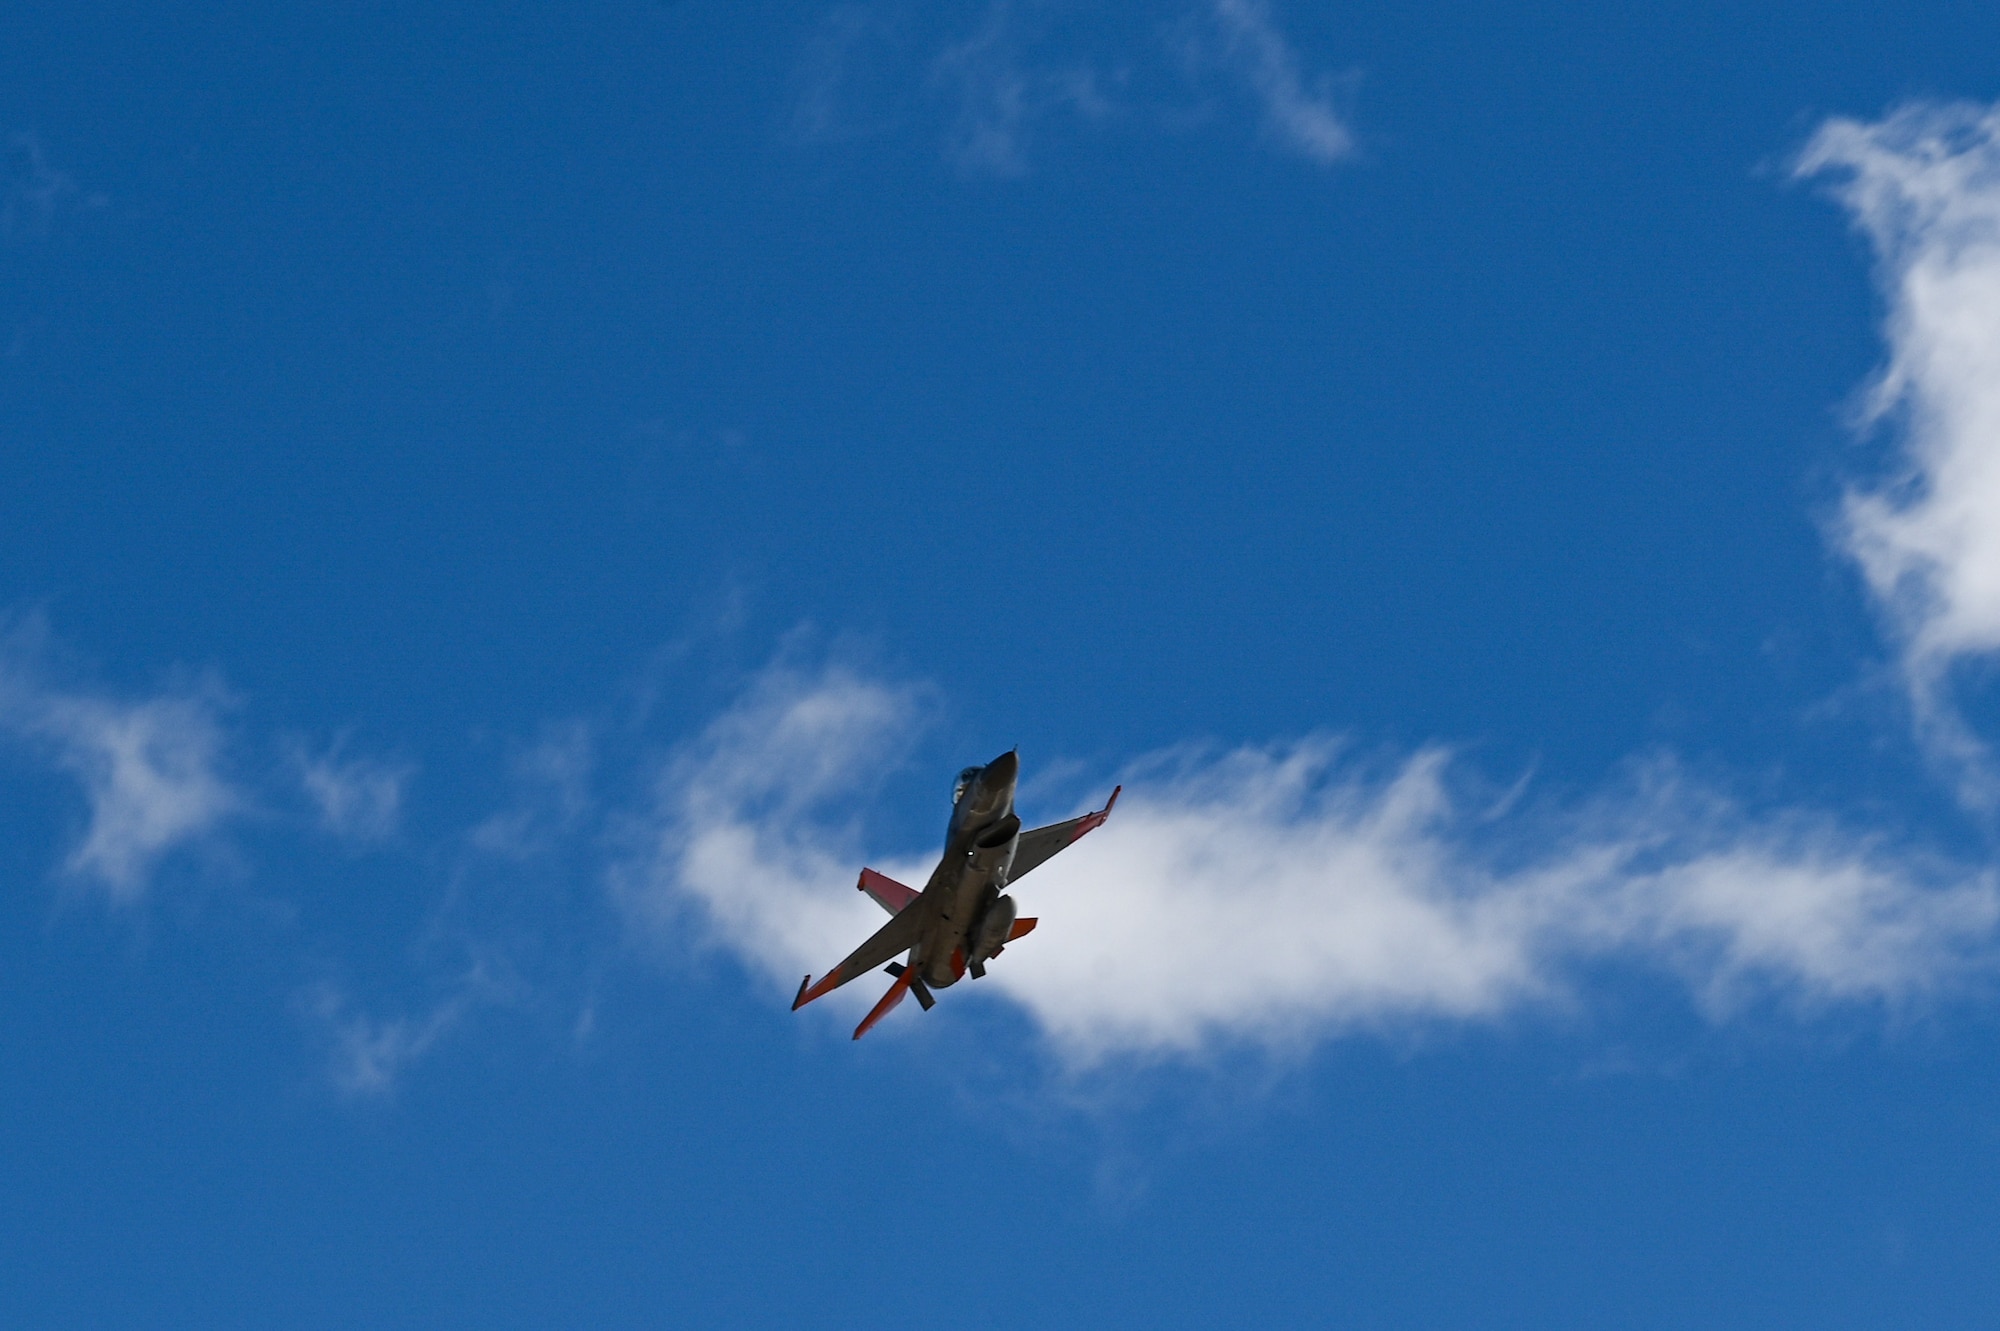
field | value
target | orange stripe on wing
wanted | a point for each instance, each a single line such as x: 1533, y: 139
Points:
x: 1092, y: 821
x: 826, y: 985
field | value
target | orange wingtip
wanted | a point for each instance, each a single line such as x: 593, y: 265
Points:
x: 1090, y: 822
x: 806, y: 995
x: 1025, y: 925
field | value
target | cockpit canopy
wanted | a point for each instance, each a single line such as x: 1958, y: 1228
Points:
x: 965, y: 778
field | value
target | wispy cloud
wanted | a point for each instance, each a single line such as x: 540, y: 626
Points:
x: 1299, y: 110
x: 1923, y: 184
x: 828, y: 106
x: 1281, y: 894
x: 368, y: 1054
x: 358, y: 798
x: 551, y: 779
x: 150, y: 769
x: 515, y: 913
x: 1001, y: 98
x: 1026, y: 70
x: 33, y: 192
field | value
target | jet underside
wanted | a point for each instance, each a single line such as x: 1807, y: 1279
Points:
x: 962, y: 918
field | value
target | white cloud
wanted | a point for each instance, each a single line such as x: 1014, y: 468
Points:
x: 150, y: 769
x: 1924, y: 185
x: 1276, y: 895
x: 358, y: 798
x: 1299, y: 113
x: 1272, y: 894
x: 739, y: 830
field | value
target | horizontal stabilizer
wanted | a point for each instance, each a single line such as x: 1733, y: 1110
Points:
x: 889, y: 894
x: 888, y: 1003
x: 1025, y: 925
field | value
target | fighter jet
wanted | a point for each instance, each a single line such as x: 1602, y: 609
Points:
x: 962, y: 919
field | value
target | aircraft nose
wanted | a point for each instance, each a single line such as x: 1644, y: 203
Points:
x: 1004, y: 769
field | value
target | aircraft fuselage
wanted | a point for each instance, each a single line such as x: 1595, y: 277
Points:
x: 978, y: 855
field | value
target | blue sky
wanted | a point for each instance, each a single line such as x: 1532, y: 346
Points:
x: 503, y: 513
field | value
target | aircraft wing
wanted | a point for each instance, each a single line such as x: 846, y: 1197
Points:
x: 886, y: 892
x: 899, y: 935
x: 1040, y: 846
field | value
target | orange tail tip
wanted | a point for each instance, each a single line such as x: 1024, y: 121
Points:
x: 1025, y: 925
x: 887, y: 1004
